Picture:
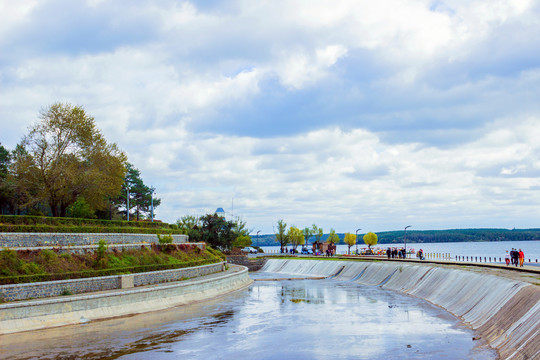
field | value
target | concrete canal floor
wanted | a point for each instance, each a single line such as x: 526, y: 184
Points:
x: 286, y: 319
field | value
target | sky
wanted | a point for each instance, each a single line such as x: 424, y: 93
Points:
x: 346, y: 114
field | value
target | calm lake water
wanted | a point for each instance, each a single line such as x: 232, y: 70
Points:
x: 300, y: 319
x: 484, y: 249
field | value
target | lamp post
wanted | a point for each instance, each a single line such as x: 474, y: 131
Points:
x: 258, y: 237
x: 152, y: 201
x: 357, y: 240
x: 127, y: 206
x: 405, y: 239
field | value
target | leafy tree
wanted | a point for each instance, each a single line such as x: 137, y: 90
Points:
x: 241, y: 233
x: 65, y: 156
x: 6, y: 186
x: 281, y: 235
x: 296, y: 236
x: 242, y: 241
x: 350, y: 240
x: 187, y: 222
x: 191, y: 225
x: 332, y: 237
x: 370, y: 239
x: 308, y: 232
x: 217, y: 232
x: 81, y: 209
x: 317, y: 232
x: 140, y: 194
x: 240, y: 228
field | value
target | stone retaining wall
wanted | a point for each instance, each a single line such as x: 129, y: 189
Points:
x: 77, y: 286
x: 83, y: 249
x: 66, y: 239
x: 69, y: 310
x: 253, y: 264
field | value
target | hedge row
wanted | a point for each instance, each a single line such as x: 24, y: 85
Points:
x: 20, y: 279
x: 41, y: 228
x: 56, y: 221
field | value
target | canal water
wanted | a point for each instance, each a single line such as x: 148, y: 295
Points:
x: 272, y: 319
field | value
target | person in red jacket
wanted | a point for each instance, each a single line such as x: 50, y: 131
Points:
x: 521, y: 257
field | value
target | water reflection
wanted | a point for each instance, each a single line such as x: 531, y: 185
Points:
x: 305, y: 319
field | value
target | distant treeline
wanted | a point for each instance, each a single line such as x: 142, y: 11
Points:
x: 431, y: 236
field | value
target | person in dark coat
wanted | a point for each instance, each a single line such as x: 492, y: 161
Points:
x: 389, y: 252
x: 515, y: 256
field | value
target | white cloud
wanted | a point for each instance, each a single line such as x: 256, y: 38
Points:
x: 299, y: 69
x: 14, y: 14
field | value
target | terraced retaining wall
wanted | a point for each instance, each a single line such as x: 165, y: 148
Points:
x: 69, y: 310
x: 254, y: 264
x: 78, y: 286
x: 505, y: 312
x: 12, y: 240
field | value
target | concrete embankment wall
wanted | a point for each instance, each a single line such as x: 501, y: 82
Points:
x: 43, y: 289
x: 68, y: 310
x: 505, y: 312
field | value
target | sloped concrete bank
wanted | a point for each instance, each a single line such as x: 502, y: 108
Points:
x: 505, y: 311
x: 69, y: 310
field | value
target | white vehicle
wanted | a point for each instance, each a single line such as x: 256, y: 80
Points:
x: 250, y: 250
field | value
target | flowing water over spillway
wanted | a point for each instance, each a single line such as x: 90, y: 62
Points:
x: 287, y: 319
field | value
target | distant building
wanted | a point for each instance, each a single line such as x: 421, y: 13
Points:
x: 220, y: 212
x: 322, y: 247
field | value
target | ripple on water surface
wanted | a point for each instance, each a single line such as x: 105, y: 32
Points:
x: 298, y: 319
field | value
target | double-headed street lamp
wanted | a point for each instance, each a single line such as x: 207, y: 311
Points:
x: 405, y: 239
x: 357, y: 240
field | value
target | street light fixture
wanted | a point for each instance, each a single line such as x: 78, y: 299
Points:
x: 258, y: 237
x: 405, y: 239
x: 357, y: 240
x: 127, y: 205
x: 152, y: 200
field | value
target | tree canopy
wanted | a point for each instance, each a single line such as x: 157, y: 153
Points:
x: 6, y: 187
x: 217, y: 231
x: 332, y: 237
x: 281, y: 234
x: 296, y: 236
x: 64, y: 166
x: 370, y: 239
x: 308, y: 232
x: 140, y: 195
x: 63, y: 157
x: 350, y: 240
x: 317, y: 232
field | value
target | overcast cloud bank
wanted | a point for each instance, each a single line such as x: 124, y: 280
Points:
x: 350, y: 115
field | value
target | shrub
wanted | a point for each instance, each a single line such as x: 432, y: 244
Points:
x: 101, y: 260
x: 165, y: 239
x: 66, y: 292
x: 48, y: 256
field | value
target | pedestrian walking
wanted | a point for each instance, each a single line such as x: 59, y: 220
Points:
x: 515, y: 257
x: 507, y: 258
x: 521, y: 257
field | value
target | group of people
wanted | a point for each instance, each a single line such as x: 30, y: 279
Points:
x: 393, y: 253
x: 516, y: 257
